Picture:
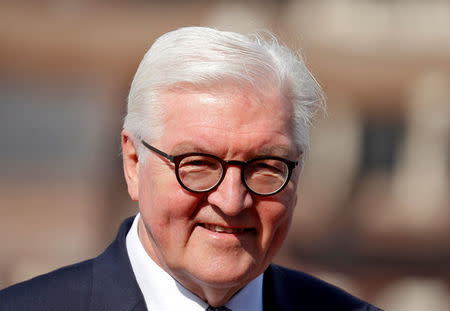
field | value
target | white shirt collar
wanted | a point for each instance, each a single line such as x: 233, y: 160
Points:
x: 162, y: 292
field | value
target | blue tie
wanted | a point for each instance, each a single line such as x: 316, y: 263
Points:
x: 210, y: 308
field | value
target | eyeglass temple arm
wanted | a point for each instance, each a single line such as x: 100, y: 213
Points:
x: 296, y: 163
x: 165, y: 155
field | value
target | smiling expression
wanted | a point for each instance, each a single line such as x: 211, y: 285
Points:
x: 222, y: 239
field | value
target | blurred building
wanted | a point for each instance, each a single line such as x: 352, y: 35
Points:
x: 373, y: 215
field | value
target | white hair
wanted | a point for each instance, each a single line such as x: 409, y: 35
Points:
x: 202, y: 57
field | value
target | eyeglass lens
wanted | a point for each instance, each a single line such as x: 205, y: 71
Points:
x: 201, y: 173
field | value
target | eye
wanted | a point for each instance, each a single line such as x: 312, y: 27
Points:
x: 199, y: 172
x: 199, y: 162
x: 268, y: 166
x: 264, y: 166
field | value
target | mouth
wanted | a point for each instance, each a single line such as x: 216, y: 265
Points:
x: 230, y: 230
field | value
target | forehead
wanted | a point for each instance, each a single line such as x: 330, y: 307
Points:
x: 227, y: 120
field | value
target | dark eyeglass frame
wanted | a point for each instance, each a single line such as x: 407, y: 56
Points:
x: 243, y: 164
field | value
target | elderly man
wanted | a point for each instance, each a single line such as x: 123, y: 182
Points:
x: 213, y: 146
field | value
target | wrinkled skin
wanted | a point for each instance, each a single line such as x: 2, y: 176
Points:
x: 177, y: 227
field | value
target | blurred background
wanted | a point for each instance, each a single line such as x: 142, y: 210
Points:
x: 373, y: 215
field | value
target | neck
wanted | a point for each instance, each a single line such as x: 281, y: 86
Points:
x: 213, y: 296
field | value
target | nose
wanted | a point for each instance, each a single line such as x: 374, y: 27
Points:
x: 231, y: 196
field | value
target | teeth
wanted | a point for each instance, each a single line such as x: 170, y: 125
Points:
x: 221, y: 229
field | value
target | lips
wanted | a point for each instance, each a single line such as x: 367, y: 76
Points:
x: 221, y: 229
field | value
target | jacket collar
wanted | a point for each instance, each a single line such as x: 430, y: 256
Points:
x: 114, y: 286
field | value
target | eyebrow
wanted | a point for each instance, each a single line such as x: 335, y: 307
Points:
x: 279, y: 151
x: 188, y: 147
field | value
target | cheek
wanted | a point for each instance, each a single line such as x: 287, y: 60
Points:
x: 166, y: 204
x: 166, y: 207
x: 275, y: 228
x: 167, y: 212
x: 275, y: 217
x: 158, y: 189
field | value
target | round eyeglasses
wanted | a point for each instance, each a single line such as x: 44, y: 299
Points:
x: 200, y: 172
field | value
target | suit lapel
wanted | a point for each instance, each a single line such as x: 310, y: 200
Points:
x: 114, y: 286
x: 278, y: 292
x: 270, y: 291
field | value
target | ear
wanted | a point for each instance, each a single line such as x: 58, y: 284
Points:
x: 130, y: 165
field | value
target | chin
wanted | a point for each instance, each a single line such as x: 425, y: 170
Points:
x: 225, y: 275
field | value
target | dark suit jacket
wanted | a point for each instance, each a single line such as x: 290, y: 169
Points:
x: 108, y: 283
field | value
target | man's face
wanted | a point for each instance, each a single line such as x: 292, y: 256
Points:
x: 181, y: 230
